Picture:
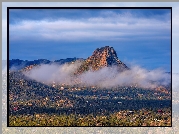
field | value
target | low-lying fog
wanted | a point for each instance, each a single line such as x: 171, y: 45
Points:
x: 106, y: 77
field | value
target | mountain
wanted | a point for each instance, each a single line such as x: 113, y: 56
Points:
x: 101, y: 57
x: 17, y: 64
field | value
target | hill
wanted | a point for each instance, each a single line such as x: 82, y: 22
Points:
x: 102, y: 57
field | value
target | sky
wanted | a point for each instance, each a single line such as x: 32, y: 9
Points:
x: 139, y: 36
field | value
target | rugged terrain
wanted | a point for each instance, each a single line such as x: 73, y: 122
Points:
x: 33, y: 103
x: 101, y: 57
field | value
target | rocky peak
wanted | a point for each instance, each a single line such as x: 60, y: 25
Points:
x: 101, y: 57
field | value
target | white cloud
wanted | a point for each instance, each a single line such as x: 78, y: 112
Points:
x: 106, y: 77
x: 103, y: 27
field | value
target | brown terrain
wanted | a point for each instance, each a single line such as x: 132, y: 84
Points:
x: 101, y: 57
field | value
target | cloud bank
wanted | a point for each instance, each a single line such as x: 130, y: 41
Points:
x: 106, y: 77
x: 102, y: 26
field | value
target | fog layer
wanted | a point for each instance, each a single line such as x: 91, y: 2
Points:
x: 105, y: 77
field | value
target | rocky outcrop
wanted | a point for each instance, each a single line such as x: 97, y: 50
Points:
x: 101, y: 57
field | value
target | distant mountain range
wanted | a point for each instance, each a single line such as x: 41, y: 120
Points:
x: 20, y: 64
x: 101, y: 57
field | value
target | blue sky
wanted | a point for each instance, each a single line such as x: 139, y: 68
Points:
x: 140, y: 36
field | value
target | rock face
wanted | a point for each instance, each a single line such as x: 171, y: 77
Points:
x: 101, y: 57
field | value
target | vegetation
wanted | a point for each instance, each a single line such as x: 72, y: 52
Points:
x: 37, y: 104
x: 143, y: 117
x: 86, y: 130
